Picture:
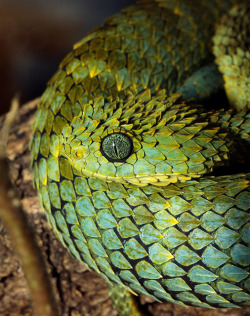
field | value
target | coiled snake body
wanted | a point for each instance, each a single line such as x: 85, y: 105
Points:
x: 121, y: 165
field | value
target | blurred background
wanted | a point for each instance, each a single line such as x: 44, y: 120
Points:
x: 36, y: 34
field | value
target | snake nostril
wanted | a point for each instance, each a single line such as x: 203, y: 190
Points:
x: 117, y: 147
x: 78, y: 154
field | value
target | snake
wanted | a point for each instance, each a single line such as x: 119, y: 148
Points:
x: 145, y: 186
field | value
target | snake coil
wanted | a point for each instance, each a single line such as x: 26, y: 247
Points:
x: 124, y: 169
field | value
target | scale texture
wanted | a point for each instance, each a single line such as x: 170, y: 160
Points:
x: 154, y: 222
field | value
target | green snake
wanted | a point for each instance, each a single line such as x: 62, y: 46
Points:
x: 131, y: 176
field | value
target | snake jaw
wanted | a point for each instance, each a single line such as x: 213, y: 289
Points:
x: 158, y: 179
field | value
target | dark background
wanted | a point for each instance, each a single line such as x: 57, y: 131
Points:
x: 36, y: 34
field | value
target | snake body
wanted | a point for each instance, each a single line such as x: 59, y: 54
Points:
x: 121, y: 166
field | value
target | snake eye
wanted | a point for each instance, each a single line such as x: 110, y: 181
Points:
x: 117, y: 147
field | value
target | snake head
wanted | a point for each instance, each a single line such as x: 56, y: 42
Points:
x: 144, y: 139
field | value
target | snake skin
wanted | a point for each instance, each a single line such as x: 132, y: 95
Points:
x: 231, y: 49
x: 155, y: 223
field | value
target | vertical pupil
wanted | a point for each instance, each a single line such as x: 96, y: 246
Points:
x: 117, y: 147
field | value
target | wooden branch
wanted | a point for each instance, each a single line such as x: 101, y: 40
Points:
x: 14, y: 219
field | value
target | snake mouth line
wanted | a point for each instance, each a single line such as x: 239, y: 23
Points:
x: 157, y: 179
x: 161, y: 179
